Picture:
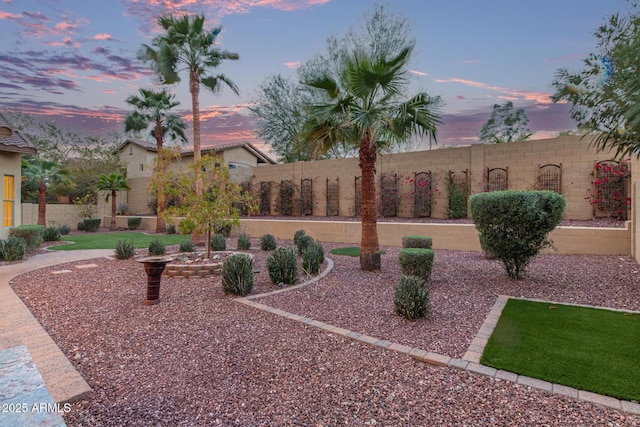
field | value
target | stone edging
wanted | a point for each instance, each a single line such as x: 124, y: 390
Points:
x: 470, y: 361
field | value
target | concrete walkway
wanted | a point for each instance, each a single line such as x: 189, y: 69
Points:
x: 18, y: 327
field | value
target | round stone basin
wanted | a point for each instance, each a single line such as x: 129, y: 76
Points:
x: 195, y: 264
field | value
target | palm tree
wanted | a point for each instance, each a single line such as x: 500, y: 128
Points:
x: 112, y: 183
x: 42, y: 174
x: 187, y: 46
x: 152, y: 110
x: 364, y: 107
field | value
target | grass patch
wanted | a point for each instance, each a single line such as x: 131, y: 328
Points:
x: 109, y: 240
x: 348, y: 251
x: 586, y: 348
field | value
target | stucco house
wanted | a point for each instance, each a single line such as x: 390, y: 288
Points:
x: 139, y: 158
x: 12, y: 145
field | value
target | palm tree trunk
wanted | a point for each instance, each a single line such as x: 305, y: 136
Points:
x: 112, y: 225
x: 42, y: 203
x: 194, y: 88
x: 161, y: 226
x: 369, y: 247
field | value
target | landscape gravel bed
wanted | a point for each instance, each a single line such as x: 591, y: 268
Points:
x: 199, y: 358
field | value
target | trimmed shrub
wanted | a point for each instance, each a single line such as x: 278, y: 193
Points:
x: 312, y: 257
x: 187, y: 246
x: 51, y: 234
x: 282, y: 265
x: 514, y: 225
x: 411, y: 298
x: 134, y: 223
x: 416, y: 262
x: 417, y: 242
x: 267, y: 242
x: 125, y: 249
x: 64, y: 229
x: 297, y: 235
x: 31, y: 234
x: 225, y: 230
x: 13, y: 248
x: 91, y: 224
x: 81, y: 226
x: 157, y: 247
x: 237, y: 275
x: 186, y: 226
x: 244, y: 242
x: 171, y: 229
x: 218, y: 243
x: 303, y: 243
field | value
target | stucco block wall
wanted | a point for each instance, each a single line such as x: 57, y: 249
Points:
x: 57, y: 214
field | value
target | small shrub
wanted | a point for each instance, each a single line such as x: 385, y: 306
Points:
x: 411, y: 298
x: 125, y: 249
x: 157, y: 247
x: 282, y: 265
x: 514, y: 225
x: 416, y: 262
x: 312, y: 257
x: 171, y: 229
x: 186, y: 226
x: 218, y: 243
x: 303, y: 243
x: 13, y: 248
x: 417, y: 242
x: 51, y: 234
x: 244, y: 242
x: 81, y: 226
x: 267, y: 242
x: 134, y: 223
x: 225, y: 230
x: 237, y: 275
x: 187, y: 246
x: 91, y: 224
x: 297, y: 235
x: 32, y: 235
x: 122, y: 209
x: 64, y: 229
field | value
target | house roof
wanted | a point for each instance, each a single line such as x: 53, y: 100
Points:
x: 12, y: 140
x: 262, y: 157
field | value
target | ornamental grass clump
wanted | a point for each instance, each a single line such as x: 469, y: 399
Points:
x: 218, y: 243
x: 312, y: 257
x: 416, y: 262
x: 64, y: 229
x: 417, y: 242
x: 12, y: 249
x: 125, y: 249
x: 514, y: 225
x: 51, y: 234
x: 157, y: 247
x: 237, y: 275
x: 244, y: 242
x: 411, y: 298
x: 267, y: 242
x: 282, y: 265
x: 187, y: 246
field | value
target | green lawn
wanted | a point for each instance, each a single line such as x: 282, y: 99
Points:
x: 589, y: 349
x: 348, y: 251
x: 108, y: 240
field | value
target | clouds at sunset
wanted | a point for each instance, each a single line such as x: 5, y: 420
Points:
x: 502, y: 92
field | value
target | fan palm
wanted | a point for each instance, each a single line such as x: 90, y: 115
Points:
x: 112, y: 183
x: 186, y: 45
x: 42, y: 174
x: 152, y: 109
x: 364, y: 107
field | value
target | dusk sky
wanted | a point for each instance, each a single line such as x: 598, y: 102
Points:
x: 74, y: 61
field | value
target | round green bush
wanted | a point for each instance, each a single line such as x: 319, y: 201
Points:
x: 218, y: 243
x: 237, y: 275
x: 416, y: 262
x: 157, y: 247
x: 267, y: 242
x: 312, y: 257
x: 297, y: 235
x: 411, y: 298
x: 187, y: 246
x: 417, y: 242
x: 12, y: 249
x: 51, y: 234
x: 244, y: 242
x: 282, y: 265
x: 304, y: 242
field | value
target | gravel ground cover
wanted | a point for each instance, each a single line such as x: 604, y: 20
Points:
x: 199, y: 358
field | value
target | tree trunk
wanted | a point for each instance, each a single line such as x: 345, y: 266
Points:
x: 194, y: 88
x: 369, y: 247
x: 112, y: 226
x: 161, y: 226
x: 42, y: 203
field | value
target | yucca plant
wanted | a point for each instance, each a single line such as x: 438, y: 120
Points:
x: 237, y: 275
x: 125, y: 249
x: 282, y: 265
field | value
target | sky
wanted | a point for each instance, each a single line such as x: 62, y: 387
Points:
x: 74, y: 61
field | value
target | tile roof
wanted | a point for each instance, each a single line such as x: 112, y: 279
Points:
x: 12, y: 140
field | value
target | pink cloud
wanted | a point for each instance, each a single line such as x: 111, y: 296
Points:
x: 460, y: 97
x: 293, y: 64
x: 6, y: 16
x: 103, y: 36
x: 514, y: 94
x: 109, y: 91
x: 472, y: 61
x: 419, y: 73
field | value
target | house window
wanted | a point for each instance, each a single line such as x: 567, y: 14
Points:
x: 8, y: 202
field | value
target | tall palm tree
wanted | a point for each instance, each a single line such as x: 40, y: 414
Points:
x: 365, y: 106
x: 186, y: 45
x: 152, y: 109
x: 42, y: 174
x: 112, y: 183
